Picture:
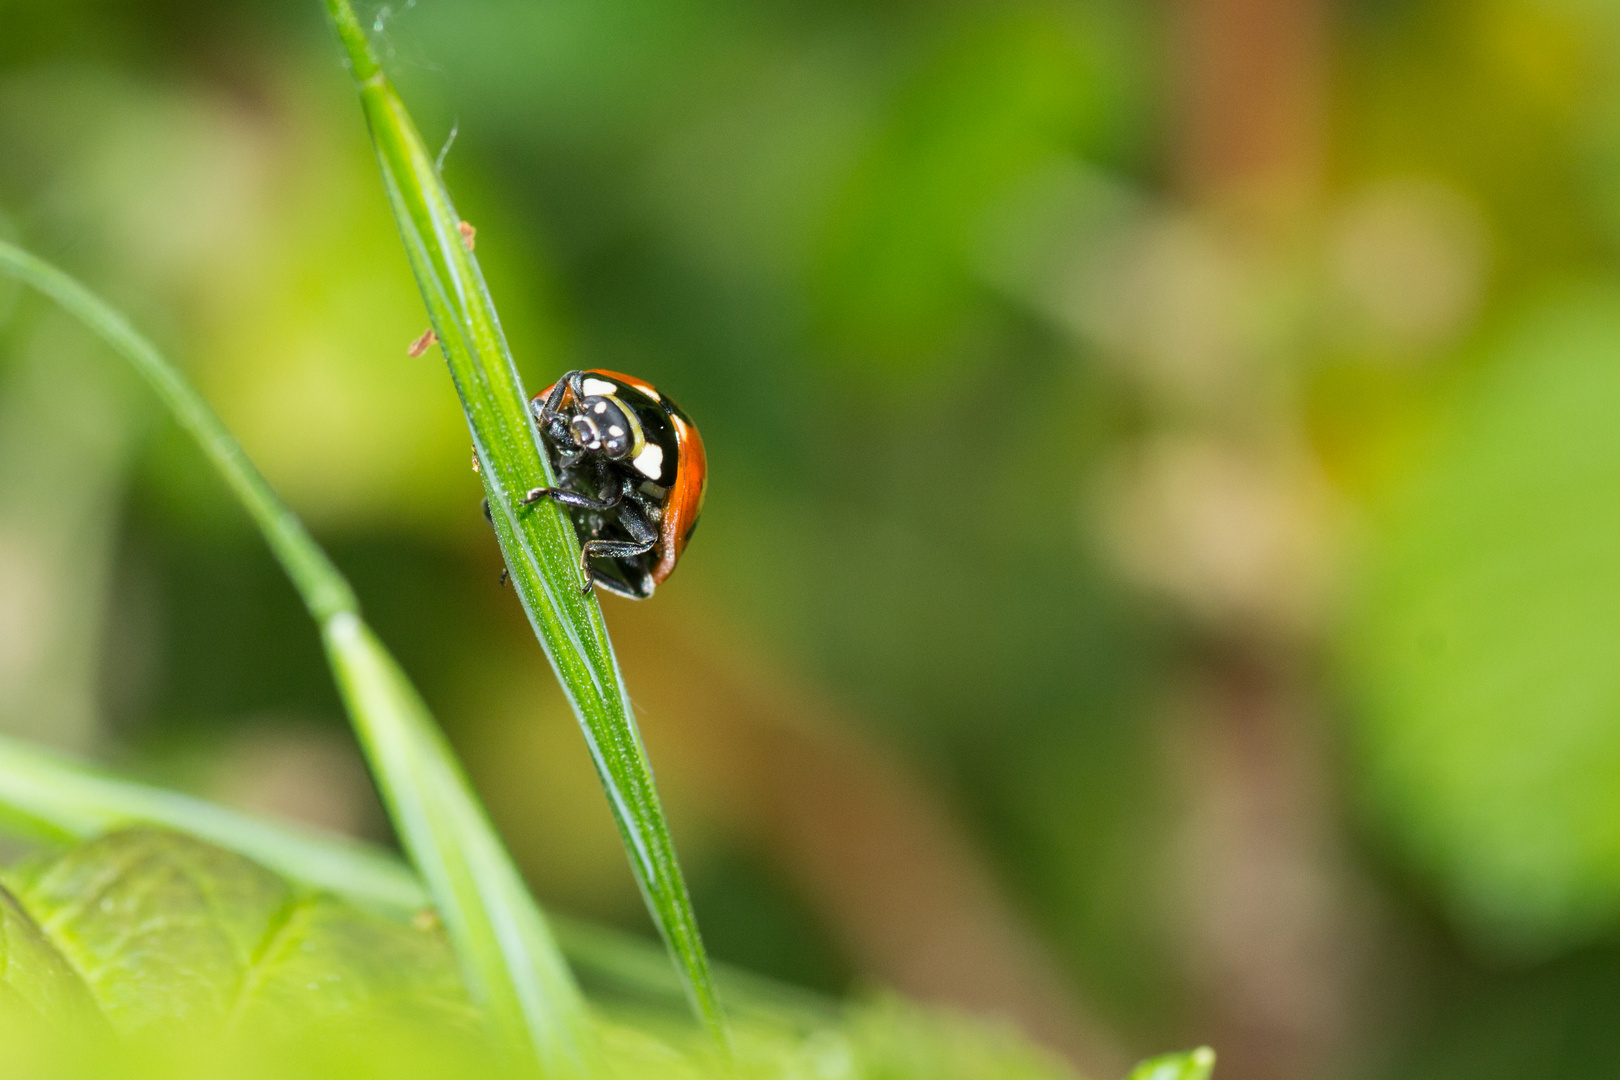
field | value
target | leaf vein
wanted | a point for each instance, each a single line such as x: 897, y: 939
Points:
x: 279, y: 933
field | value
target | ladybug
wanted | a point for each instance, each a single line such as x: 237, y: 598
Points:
x: 631, y: 472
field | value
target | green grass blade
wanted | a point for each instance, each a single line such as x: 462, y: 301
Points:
x: 511, y: 965
x: 457, y: 851
x: 50, y: 797
x: 542, y: 553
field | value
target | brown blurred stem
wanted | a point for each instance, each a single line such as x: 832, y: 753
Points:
x: 1252, y: 88
x: 1264, y: 884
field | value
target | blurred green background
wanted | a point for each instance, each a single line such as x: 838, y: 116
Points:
x: 1160, y: 580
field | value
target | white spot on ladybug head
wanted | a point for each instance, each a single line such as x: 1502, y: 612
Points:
x: 650, y: 462
x: 615, y: 431
x: 598, y: 388
x: 601, y: 407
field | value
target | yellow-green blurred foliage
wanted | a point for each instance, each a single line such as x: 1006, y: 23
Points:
x: 1160, y: 579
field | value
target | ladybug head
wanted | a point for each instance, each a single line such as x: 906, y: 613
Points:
x: 605, y: 427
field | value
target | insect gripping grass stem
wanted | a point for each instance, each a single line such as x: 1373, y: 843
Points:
x: 542, y: 553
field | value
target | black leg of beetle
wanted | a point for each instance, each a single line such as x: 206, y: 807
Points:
x: 553, y: 425
x: 613, y: 549
x: 549, y: 408
x: 633, y: 519
x: 609, y: 549
x: 643, y: 538
x: 574, y: 499
x: 606, y: 478
x: 559, y: 438
x: 561, y: 441
x: 576, y: 385
x: 642, y: 589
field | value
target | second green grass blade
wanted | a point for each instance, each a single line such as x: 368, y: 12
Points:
x: 541, y: 551
x: 511, y: 965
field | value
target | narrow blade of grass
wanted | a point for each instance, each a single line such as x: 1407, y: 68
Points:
x: 457, y: 852
x: 542, y: 553
x: 52, y: 798
x: 512, y: 966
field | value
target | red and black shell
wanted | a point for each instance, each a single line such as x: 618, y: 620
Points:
x: 670, y: 471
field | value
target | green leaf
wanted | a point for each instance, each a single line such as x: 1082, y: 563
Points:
x: 1189, y: 1065
x: 1483, y: 656
x: 180, y: 940
x: 50, y: 797
x: 890, y: 1039
x: 507, y: 955
x: 37, y: 984
x: 155, y: 930
x: 541, y: 550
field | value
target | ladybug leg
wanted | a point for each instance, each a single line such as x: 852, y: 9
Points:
x: 548, y: 413
x: 557, y: 436
x: 576, y: 384
x: 611, y: 486
x: 614, y: 549
x: 572, y: 499
x: 547, y: 410
x: 640, y: 591
x: 643, y: 538
x: 576, y: 500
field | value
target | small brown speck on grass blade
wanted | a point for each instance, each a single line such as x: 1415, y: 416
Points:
x: 541, y: 550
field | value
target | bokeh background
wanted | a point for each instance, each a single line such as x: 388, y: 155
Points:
x: 1160, y: 581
